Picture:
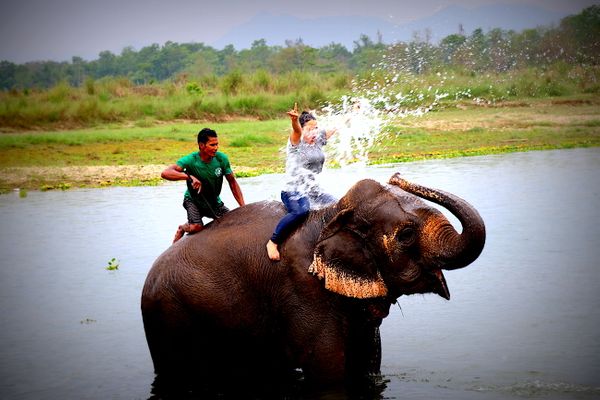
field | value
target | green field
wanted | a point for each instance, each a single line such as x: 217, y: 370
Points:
x: 134, y: 155
x: 120, y: 119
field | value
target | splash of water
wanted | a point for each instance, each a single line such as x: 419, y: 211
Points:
x: 401, y: 84
x: 358, y: 125
x: 363, y: 120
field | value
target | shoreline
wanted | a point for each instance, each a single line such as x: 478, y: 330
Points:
x: 81, y: 177
x: 113, y: 156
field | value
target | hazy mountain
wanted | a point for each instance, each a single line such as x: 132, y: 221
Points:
x: 516, y: 17
x: 276, y: 29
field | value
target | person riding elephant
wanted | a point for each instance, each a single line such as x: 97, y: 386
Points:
x: 214, y: 307
x: 203, y: 171
x: 305, y: 159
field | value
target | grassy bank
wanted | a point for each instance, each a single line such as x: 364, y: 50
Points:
x: 134, y: 155
x: 262, y: 96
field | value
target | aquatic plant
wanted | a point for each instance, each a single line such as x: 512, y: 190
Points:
x: 113, y: 264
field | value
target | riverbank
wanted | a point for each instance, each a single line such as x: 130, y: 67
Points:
x: 133, y: 156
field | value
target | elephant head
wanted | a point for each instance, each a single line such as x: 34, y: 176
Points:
x: 385, y: 241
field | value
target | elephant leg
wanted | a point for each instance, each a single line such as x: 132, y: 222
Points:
x: 349, y: 357
x: 174, y: 339
x: 344, y: 353
x: 325, y: 366
x: 322, y: 354
x: 364, y: 351
x: 168, y: 349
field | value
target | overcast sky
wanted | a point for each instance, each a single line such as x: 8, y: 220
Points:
x: 32, y: 30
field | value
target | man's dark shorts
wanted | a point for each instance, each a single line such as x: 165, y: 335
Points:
x: 195, y: 214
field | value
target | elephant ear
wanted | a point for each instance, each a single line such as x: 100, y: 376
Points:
x: 343, y: 261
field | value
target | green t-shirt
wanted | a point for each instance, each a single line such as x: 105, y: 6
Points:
x: 211, y: 176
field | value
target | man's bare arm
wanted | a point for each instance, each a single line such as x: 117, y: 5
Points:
x: 235, y: 189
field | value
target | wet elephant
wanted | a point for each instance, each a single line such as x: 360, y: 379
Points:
x: 214, y: 305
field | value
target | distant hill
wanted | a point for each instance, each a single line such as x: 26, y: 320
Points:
x: 319, y: 32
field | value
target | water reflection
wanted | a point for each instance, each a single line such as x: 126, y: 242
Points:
x: 524, y: 319
x: 292, y: 388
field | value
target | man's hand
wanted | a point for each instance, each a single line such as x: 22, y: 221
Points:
x: 196, y: 184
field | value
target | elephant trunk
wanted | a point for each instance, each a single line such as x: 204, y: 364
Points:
x: 450, y: 249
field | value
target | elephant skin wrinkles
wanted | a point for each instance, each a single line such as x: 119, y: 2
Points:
x: 215, y: 307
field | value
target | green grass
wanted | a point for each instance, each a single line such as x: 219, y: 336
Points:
x: 262, y: 96
x: 118, y: 146
x: 250, y: 140
x: 256, y: 147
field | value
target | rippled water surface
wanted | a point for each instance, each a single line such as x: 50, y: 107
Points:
x: 523, y: 321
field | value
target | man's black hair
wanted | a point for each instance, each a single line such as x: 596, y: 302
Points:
x: 205, y: 133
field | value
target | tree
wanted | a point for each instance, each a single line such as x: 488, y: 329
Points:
x: 295, y: 56
x: 366, y: 53
x: 478, y: 58
x: 7, y: 75
x: 575, y: 40
x: 450, y: 45
x: 106, y: 64
x: 498, y: 49
x: 525, y: 47
x: 171, y: 60
x: 583, y: 30
x: 227, y: 60
x: 255, y: 58
x: 77, y: 71
x: 333, y: 58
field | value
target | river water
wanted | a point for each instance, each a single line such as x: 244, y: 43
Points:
x: 523, y: 321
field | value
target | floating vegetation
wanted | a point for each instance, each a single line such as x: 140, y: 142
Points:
x: 113, y: 264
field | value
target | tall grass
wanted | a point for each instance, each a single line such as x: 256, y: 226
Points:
x: 412, y: 90
x: 263, y: 96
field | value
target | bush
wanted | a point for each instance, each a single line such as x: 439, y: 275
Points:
x: 59, y: 93
x: 341, y: 81
x: 231, y: 83
x: 194, y: 89
x: 249, y: 104
x: 211, y: 108
x: 262, y: 80
x: 90, y: 88
x: 87, y: 110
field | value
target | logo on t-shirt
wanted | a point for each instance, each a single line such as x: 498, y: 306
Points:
x: 218, y: 171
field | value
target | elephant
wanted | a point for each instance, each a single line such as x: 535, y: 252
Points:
x: 214, y: 305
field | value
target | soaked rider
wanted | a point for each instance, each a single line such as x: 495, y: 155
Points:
x: 305, y: 159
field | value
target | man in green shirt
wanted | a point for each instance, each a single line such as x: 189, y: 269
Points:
x: 203, y: 171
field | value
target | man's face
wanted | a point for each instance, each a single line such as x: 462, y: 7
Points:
x: 210, y: 147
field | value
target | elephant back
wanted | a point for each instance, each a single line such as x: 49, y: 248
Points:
x: 228, y: 256
x: 231, y: 244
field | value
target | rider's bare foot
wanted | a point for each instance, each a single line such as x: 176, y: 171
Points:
x: 272, y: 251
x: 179, y: 234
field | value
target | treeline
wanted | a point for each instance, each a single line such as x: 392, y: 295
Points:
x: 576, y: 40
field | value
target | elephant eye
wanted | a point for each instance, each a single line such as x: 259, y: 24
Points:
x: 406, y: 235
